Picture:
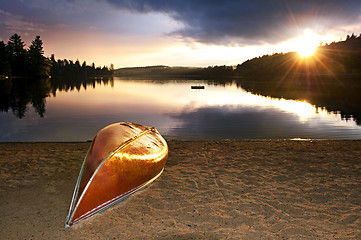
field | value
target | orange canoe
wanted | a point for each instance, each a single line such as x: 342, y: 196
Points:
x: 123, y: 158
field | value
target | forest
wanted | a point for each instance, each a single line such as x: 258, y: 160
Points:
x: 18, y: 61
x: 336, y: 58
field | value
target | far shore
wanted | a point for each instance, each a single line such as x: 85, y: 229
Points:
x: 269, y: 189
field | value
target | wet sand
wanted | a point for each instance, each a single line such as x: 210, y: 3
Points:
x: 208, y: 190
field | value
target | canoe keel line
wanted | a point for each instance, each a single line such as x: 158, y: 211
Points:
x: 122, y: 159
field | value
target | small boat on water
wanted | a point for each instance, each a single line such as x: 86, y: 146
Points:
x: 197, y: 87
x: 123, y: 158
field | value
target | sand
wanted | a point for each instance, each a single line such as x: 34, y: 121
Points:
x: 209, y: 190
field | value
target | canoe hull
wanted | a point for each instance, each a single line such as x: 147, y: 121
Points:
x: 122, y: 159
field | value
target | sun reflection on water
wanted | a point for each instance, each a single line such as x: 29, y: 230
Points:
x: 232, y: 95
x: 177, y: 111
x: 174, y: 97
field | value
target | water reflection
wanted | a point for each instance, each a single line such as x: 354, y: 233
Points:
x: 17, y: 94
x: 339, y: 95
x: 237, y: 114
x: 76, y: 110
x: 245, y: 122
x: 70, y: 84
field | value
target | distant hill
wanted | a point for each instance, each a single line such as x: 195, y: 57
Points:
x: 166, y: 72
x: 159, y: 70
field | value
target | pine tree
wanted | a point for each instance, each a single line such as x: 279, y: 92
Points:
x: 17, y: 55
x: 39, y: 66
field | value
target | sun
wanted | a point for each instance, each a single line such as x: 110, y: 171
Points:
x: 307, y: 44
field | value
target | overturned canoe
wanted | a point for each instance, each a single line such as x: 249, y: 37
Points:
x: 122, y: 158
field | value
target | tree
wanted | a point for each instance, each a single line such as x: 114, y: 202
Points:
x: 38, y: 65
x: 77, y: 64
x: 5, y: 69
x: 16, y: 54
x: 54, y: 70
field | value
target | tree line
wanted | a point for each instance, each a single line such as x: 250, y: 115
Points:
x: 68, y: 68
x: 18, y: 61
x: 336, y: 58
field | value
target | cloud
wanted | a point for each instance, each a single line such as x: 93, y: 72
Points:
x: 10, y: 23
x: 69, y: 27
x: 97, y: 16
x: 233, y: 22
x: 256, y: 21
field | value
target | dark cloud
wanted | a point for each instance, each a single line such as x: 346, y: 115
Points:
x: 254, y: 21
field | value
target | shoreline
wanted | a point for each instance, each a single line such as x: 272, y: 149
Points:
x: 229, y: 189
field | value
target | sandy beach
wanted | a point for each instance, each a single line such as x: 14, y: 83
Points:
x: 209, y: 190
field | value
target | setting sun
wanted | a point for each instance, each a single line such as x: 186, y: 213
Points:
x: 307, y: 43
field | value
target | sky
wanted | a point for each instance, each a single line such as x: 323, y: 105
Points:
x: 130, y: 33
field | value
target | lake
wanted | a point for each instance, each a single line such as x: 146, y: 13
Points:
x: 59, y: 110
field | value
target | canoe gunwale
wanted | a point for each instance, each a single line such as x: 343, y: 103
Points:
x: 112, y: 201
x: 72, y: 208
x: 75, y: 204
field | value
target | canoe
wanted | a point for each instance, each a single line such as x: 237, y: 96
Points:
x: 123, y: 158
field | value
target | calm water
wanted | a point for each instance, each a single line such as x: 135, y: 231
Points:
x: 77, y: 112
